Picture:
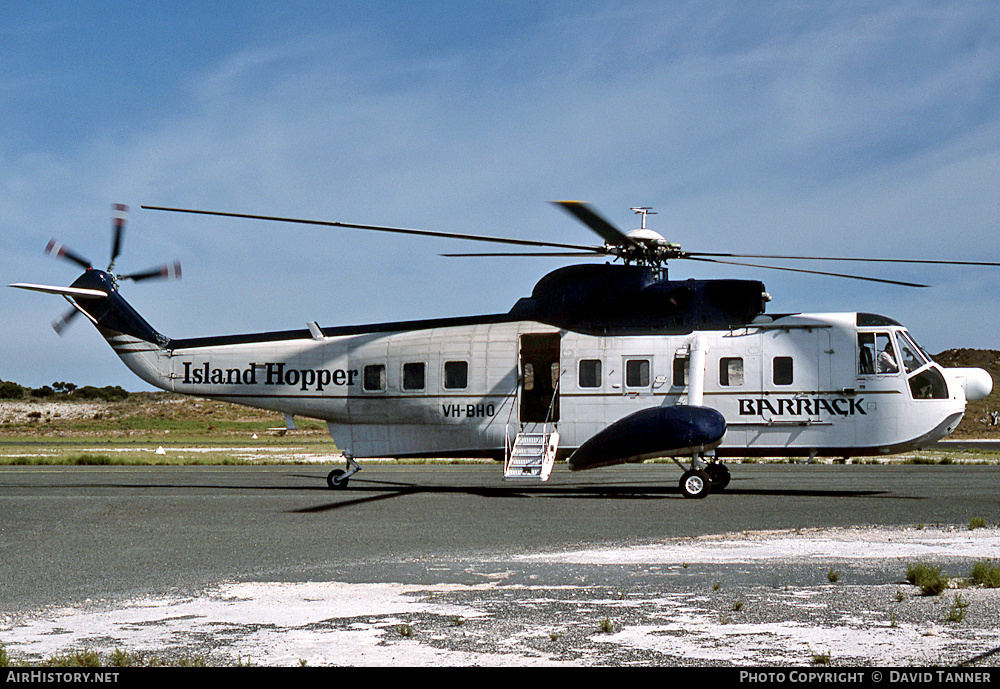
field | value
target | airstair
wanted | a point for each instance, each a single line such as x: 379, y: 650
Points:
x: 532, y: 454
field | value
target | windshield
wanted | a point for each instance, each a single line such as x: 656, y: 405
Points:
x: 913, y: 357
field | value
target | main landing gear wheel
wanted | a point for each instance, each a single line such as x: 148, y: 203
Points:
x: 696, y: 484
x: 719, y: 475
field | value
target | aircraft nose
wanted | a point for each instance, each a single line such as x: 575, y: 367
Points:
x: 976, y: 382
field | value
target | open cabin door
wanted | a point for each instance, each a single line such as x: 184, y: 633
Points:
x: 534, y: 450
x: 539, y: 364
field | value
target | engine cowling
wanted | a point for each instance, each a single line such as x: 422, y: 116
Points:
x: 648, y: 433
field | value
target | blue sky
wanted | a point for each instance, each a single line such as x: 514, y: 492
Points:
x: 867, y: 129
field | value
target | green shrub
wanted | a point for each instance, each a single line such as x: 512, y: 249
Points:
x: 928, y: 579
x: 108, y: 393
x: 42, y: 392
x: 10, y: 391
x: 91, y: 460
x: 986, y: 573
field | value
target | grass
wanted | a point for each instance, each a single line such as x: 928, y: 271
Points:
x: 289, y: 450
x: 936, y: 459
x: 128, y: 457
x: 821, y: 657
x: 958, y: 607
x: 117, y: 658
x: 191, y: 431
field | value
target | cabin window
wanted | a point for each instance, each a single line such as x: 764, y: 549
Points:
x: 731, y: 371
x: 456, y: 374
x: 529, y: 376
x: 681, y: 371
x: 590, y: 373
x: 373, y: 379
x: 637, y: 373
x: 413, y: 376
x: 782, y: 370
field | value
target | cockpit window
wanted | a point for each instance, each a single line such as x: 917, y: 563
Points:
x: 912, y: 356
x: 885, y: 360
x: 876, y: 354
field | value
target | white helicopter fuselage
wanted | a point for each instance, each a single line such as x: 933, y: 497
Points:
x: 797, y: 385
x: 601, y: 364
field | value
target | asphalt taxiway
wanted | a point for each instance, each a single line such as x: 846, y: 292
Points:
x: 72, y: 532
x: 102, y: 538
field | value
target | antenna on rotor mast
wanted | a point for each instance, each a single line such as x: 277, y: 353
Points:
x: 643, y: 211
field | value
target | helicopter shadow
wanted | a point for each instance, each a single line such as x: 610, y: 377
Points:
x: 371, y: 491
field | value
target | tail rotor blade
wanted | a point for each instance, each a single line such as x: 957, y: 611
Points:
x: 170, y: 271
x: 59, y: 250
x: 60, y: 325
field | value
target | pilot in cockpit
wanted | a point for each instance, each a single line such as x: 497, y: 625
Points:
x: 887, y: 360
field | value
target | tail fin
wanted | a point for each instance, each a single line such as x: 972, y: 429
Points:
x: 114, y: 317
x: 136, y: 342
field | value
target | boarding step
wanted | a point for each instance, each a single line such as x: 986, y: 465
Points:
x: 532, y: 456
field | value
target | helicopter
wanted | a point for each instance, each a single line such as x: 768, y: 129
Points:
x: 602, y: 364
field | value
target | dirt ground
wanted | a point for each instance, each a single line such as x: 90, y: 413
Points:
x: 141, y: 411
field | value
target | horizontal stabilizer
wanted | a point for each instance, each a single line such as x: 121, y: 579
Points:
x: 65, y: 291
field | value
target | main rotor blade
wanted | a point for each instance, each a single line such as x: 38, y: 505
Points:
x: 379, y: 228
x: 118, y: 231
x: 171, y: 271
x: 693, y: 254
x: 803, y: 270
x: 592, y: 219
x: 557, y: 254
x: 54, y: 248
